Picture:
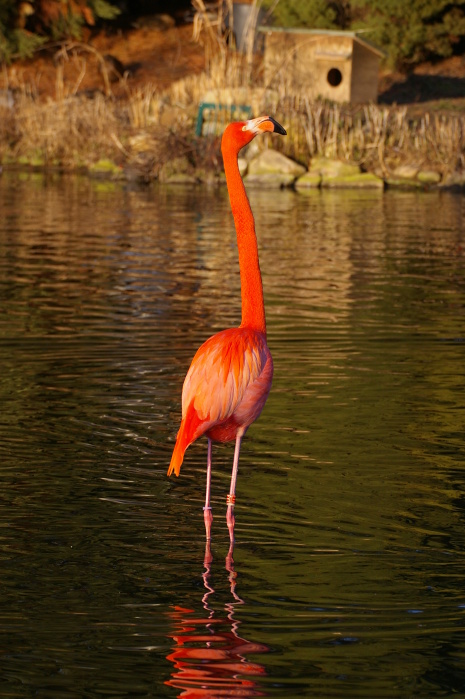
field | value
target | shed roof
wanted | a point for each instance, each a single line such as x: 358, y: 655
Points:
x: 326, y: 32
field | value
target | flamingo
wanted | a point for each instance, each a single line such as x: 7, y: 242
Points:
x: 230, y: 376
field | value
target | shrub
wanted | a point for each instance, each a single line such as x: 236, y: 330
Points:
x: 409, y: 32
x: 25, y: 26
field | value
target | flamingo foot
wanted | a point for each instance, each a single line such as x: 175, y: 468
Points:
x: 230, y: 521
x: 208, y: 518
x: 208, y: 558
x: 230, y: 562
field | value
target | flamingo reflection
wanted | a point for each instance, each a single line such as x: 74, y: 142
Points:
x: 209, y: 655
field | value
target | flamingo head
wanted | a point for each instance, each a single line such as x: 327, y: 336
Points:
x: 242, y: 132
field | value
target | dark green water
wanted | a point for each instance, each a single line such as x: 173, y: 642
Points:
x: 349, y: 566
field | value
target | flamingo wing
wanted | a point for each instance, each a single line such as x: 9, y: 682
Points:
x: 221, y: 376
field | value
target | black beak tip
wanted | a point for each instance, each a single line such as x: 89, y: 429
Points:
x: 277, y: 127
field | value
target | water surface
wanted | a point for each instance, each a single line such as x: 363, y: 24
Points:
x: 350, y: 556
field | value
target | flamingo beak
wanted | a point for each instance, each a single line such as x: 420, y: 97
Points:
x: 277, y: 127
x: 263, y: 124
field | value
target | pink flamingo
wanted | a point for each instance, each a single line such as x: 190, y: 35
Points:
x: 230, y: 376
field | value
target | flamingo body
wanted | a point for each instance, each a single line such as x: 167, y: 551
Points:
x: 230, y: 376
x: 225, y: 389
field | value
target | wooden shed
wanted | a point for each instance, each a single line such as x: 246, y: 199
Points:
x: 336, y: 65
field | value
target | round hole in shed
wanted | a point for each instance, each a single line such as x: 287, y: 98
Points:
x: 334, y: 77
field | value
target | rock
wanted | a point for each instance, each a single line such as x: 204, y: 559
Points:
x: 455, y: 181
x: 405, y: 172
x: 181, y: 178
x: 270, y: 180
x: 329, y: 168
x: 310, y: 180
x: 273, y: 162
x: 251, y: 151
x: 33, y: 160
x: 429, y: 177
x: 360, y: 180
x: 106, y: 168
x: 400, y: 183
x: 209, y: 178
x: 174, y: 170
x: 337, y: 174
x: 243, y: 165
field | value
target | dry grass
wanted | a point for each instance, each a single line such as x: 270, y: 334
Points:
x: 65, y: 129
x: 150, y: 127
x: 378, y: 138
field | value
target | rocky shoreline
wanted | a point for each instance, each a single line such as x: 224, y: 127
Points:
x: 268, y: 169
x: 151, y: 136
x: 272, y: 169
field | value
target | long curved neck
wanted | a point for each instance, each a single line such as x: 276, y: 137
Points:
x: 253, y: 306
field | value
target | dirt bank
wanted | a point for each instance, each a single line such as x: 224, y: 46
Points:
x: 148, y: 55
x: 158, y: 54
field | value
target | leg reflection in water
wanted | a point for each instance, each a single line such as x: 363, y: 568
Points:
x: 209, y: 655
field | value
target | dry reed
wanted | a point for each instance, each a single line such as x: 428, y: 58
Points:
x: 74, y: 130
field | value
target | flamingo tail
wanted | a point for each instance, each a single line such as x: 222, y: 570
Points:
x: 191, y: 428
x: 177, y: 456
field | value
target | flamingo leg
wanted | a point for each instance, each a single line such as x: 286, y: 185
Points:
x: 231, y: 498
x: 207, y: 510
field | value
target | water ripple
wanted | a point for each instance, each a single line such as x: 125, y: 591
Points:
x: 348, y: 569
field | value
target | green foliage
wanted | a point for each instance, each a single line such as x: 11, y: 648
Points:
x: 409, y: 32
x: 104, y: 9
x: 66, y: 26
x: 14, y: 40
x: 19, y: 44
x: 314, y: 14
x: 24, y: 44
x: 25, y: 26
x: 428, y: 29
x: 6, y: 11
x: 70, y: 21
x: 6, y: 14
